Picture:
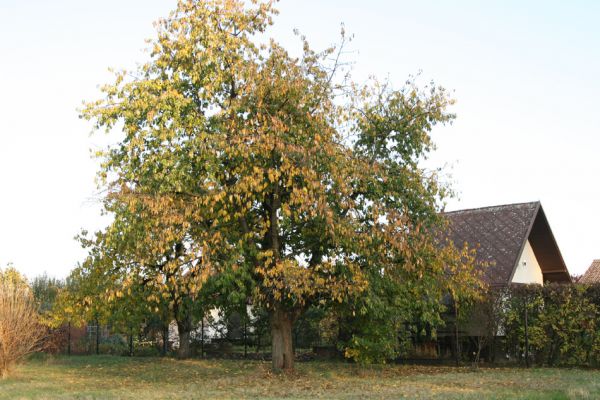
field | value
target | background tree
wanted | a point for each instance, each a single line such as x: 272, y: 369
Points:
x: 137, y: 257
x: 66, y: 313
x: 129, y: 313
x: 237, y: 156
x: 45, y: 290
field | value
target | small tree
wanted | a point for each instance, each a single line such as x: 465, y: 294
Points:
x: 521, y: 322
x: 20, y: 330
x: 66, y: 311
x: 45, y: 291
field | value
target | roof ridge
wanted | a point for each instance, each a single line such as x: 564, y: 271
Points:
x: 489, y: 207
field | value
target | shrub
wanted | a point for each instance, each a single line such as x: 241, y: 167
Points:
x: 114, y: 345
x: 563, y: 324
x: 146, y: 349
x: 21, y: 332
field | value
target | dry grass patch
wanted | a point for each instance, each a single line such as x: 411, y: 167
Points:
x: 106, y: 377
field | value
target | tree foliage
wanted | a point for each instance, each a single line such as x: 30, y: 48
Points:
x: 240, y: 160
x: 45, y: 291
x: 562, y: 323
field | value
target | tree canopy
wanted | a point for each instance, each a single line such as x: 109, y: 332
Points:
x: 274, y: 174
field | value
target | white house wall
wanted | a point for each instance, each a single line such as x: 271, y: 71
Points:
x: 214, y: 328
x: 528, y: 269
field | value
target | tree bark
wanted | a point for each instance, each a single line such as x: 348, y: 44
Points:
x: 130, y: 343
x: 184, y: 329
x: 69, y: 338
x: 258, y: 336
x: 282, y: 350
x: 493, y: 349
x: 165, y: 337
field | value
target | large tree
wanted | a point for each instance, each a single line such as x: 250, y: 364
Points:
x: 239, y: 159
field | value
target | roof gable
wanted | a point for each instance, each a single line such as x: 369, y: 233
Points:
x: 546, y: 250
x: 592, y: 275
x: 500, y: 233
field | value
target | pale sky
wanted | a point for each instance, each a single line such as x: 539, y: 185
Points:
x: 525, y: 77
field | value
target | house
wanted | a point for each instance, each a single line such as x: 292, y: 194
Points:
x: 514, y: 241
x: 592, y: 275
x: 514, y: 245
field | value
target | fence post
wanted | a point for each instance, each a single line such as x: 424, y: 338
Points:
x: 526, y: 334
x: 130, y: 342
x: 202, y: 337
x: 457, y: 351
x: 245, y: 339
x: 97, y: 336
x: 69, y: 338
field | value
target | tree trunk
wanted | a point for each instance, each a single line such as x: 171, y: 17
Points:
x: 130, y: 343
x: 184, y: 328
x: 551, y: 352
x: 69, y: 338
x: 282, y: 349
x: 3, y: 369
x: 481, y: 343
x: 493, y: 349
x: 165, y: 340
x: 258, y: 336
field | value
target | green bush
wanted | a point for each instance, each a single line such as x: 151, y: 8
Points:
x: 114, y: 345
x: 563, y: 322
x: 146, y: 349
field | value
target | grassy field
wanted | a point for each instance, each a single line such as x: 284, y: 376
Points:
x: 106, y: 377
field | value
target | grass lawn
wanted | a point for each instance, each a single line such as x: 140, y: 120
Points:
x: 107, y: 377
